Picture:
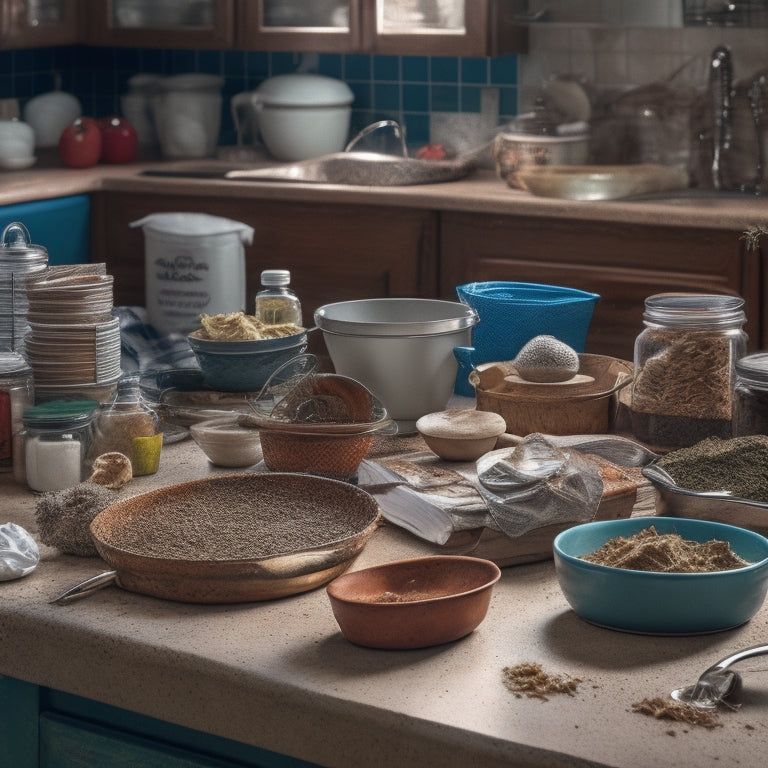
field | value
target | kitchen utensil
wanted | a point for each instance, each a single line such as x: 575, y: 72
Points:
x: 330, y: 524
x: 717, y: 682
x: 413, y: 603
x: 400, y: 349
x: 49, y: 114
x: 298, y: 115
x: 651, y: 602
x: 187, y: 114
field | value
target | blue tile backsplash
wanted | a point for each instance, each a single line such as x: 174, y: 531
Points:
x: 406, y: 88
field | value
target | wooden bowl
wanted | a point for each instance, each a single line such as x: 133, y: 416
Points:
x: 413, y: 603
x: 461, y: 434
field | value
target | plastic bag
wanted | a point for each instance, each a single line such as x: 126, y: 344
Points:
x: 19, y: 554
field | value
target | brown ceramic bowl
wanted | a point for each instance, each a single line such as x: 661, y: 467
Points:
x: 461, y: 434
x: 413, y: 603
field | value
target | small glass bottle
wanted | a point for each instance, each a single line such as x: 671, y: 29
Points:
x: 16, y: 394
x: 683, y: 387
x: 57, y: 437
x: 750, y: 402
x: 276, y: 303
x: 128, y: 425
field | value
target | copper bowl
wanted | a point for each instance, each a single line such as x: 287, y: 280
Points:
x: 413, y: 603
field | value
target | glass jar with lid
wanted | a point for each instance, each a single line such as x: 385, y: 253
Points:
x: 16, y: 394
x: 750, y: 402
x: 57, y: 437
x: 683, y: 387
x: 276, y: 303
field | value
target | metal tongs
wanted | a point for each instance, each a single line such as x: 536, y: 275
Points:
x: 718, y: 682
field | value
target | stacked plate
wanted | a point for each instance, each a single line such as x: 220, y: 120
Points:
x: 73, y: 344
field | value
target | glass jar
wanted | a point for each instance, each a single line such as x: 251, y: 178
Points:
x: 16, y: 394
x: 684, y: 381
x: 750, y: 402
x: 129, y: 426
x: 276, y: 303
x: 57, y: 437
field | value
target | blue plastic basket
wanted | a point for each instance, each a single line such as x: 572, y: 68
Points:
x: 511, y: 314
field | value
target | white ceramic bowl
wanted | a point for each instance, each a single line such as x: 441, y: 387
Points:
x: 400, y: 349
x: 226, y: 444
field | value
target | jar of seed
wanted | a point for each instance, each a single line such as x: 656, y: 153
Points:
x: 750, y: 401
x: 684, y: 382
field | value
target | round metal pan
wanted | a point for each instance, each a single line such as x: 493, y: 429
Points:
x: 189, y: 513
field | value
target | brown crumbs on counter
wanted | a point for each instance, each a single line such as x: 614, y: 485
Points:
x: 669, y: 709
x: 530, y: 679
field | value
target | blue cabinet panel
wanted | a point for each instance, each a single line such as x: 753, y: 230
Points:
x: 61, y: 225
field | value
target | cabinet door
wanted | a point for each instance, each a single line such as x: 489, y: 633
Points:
x: 623, y: 263
x: 443, y: 27
x: 329, y: 26
x: 36, y: 23
x: 162, y: 23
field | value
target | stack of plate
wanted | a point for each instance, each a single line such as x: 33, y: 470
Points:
x: 73, y: 344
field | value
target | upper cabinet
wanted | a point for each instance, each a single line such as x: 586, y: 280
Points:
x: 162, y: 23
x: 35, y: 23
x: 400, y: 27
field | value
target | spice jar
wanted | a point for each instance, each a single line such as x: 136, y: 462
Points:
x: 57, y: 436
x: 129, y: 426
x: 683, y: 387
x: 276, y: 303
x: 750, y: 401
x: 16, y: 394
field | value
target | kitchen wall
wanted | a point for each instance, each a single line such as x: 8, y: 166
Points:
x: 407, y: 87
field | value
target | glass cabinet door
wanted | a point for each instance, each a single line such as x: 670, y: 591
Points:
x: 306, y: 25
x: 38, y: 23
x: 163, y: 23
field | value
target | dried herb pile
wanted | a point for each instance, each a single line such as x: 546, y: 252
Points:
x: 648, y: 550
x: 738, y: 466
x: 529, y: 678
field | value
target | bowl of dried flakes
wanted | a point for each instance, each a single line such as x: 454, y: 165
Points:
x: 662, y: 575
x: 413, y: 603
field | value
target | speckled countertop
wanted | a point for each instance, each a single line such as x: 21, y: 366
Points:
x: 281, y: 676
x: 481, y: 192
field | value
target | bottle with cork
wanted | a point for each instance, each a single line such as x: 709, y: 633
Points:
x: 276, y: 302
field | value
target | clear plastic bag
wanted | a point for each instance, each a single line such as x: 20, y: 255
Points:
x: 19, y: 554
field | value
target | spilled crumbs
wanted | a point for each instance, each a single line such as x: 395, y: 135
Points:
x: 529, y: 679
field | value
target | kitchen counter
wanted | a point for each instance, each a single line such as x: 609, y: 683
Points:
x: 279, y: 675
x: 481, y: 192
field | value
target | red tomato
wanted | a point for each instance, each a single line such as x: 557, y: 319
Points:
x: 431, y: 152
x: 80, y: 143
x: 119, y: 141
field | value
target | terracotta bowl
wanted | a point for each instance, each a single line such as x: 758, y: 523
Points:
x: 413, y: 603
x: 461, y: 434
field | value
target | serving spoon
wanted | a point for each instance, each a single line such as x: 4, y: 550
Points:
x: 717, y: 682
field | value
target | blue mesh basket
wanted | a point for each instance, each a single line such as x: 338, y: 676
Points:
x: 511, y: 314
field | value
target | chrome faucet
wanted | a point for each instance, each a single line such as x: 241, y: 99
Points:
x: 720, y: 89
x: 397, y: 129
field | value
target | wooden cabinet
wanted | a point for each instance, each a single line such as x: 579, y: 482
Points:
x: 398, y: 27
x: 162, y: 23
x: 624, y: 263
x: 334, y: 252
x: 38, y: 23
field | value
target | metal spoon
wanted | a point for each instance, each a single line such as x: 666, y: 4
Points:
x: 717, y: 682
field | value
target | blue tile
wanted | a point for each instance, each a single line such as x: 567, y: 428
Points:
x: 471, y: 98
x: 508, y: 101
x: 233, y: 64
x: 444, y: 69
x: 444, y: 98
x: 504, y: 70
x: 152, y: 60
x: 417, y: 128
x: 182, y: 62
x: 24, y: 61
x: 210, y: 62
x: 357, y: 67
x: 281, y: 63
x: 474, y: 70
x: 386, y: 68
x: 386, y: 96
x: 257, y: 65
x: 128, y: 59
x: 415, y: 69
x: 331, y: 65
x: 415, y: 98
x: 362, y: 93
x: 24, y: 86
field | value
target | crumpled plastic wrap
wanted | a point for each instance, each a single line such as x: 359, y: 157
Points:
x: 536, y: 484
x: 19, y: 554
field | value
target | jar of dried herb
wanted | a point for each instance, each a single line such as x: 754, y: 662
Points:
x: 683, y: 388
x: 750, y: 402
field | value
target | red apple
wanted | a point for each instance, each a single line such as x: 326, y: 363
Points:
x: 80, y: 143
x: 119, y: 141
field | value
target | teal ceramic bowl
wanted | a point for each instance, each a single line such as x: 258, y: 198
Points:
x: 244, y: 366
x: 661, y: 603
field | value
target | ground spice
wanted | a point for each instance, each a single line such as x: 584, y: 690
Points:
x: 237, y: 326
x: 648, y: 550
x: 738, y: 466
x: 528, y: 678
x: 669, y: 709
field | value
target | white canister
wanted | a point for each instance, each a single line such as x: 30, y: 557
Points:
x: 194, y: 264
